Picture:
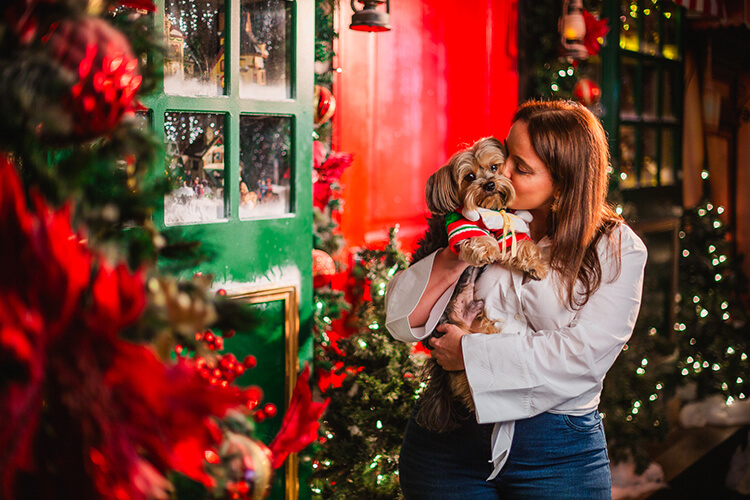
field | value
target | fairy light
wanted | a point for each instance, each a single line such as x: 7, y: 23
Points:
x: 554, y: 87
x: 724, y: 386
x: 696, y: 299
x: 374, y: 325
x: 681, y: 234
x: 739, y: 380
x: 704, y: 174
x: 653, y: 397
x: 684, y: 372
x: 640, y: 371
x: 659, y: 386
x: 720, y: 210
x: 716, y: 367
x: 693, y: 341
x: 362, y: 343
x: 723, y: 306
x: 722, y: 258
x: 561, y: 73
x: 730, y: 350
x: 743, y: 356
x: 715, y: 262
x: 717, y: 277
x: 717, y: 224
x: 725, y: 316
x: 618, y: 209
x: 644, y: 362
x: 730, y: 401
x: 711, y: 249
x: 689, y: 359
x: 685, y: 253
x: 704, y: 313
x: 379, y: 425
x: 653, y: 331
x: 702, y: 212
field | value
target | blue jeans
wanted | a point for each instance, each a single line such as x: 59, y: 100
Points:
x: 552, y: 457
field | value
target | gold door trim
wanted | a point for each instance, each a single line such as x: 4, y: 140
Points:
x: 290, y: 296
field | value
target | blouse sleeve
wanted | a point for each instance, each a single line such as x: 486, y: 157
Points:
x: 402, y: 295
x: 519, y: 375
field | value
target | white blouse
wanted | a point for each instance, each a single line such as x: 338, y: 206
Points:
x: 547, y: 358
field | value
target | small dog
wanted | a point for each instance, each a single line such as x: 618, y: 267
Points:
x: 467, y: 199
x: 446, y: 400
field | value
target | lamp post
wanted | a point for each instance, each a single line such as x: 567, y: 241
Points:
x: 369, y: 17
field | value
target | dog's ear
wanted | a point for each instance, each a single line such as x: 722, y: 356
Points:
x: 441, y: 191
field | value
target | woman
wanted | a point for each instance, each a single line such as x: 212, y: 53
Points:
x: 539, y: 381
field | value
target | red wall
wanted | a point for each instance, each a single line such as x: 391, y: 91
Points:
x: 444, y: 76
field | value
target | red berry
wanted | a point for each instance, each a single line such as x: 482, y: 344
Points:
x: 270, y: 410
x: 259, y: 416
x: 221, y: 292
x: 250, y: 361
x: 229, y: 334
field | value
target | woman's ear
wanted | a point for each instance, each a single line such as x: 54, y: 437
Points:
x: 441, y: 191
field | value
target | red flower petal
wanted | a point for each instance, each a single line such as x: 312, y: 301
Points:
x: 300, y: 424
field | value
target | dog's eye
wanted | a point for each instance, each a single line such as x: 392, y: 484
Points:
x: 494, y: 167
x: 470, y: 177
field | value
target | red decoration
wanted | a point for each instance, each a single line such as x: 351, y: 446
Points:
x: 109, y: 417
x: 595, y: 30
x: 327, y: 170
x: 323, y: 268
x: 300, y: 424
x: 324, y: 105
x: 107, y: 72
x: 587, y: 92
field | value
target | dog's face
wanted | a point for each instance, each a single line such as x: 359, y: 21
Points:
x: 472, y: 178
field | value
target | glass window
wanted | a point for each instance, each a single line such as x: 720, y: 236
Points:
x: 265, y: 166
x: 667, y: 167
x: 629, y: 78
x: 650, y: 90
x: 195, y: 159
x: 265, y: 50
x: 628, y: 174
x: 650, y: 166
x: 194, y: 61
x: 629, y: 25
x: 650, y: 38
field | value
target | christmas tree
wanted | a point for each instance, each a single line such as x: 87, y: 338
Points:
x: 362, y: 431
x: 112, y: 383
x: 711, y: 330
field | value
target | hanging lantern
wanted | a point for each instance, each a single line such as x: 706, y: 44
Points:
x: 573, y: 30
x: 369, y: 18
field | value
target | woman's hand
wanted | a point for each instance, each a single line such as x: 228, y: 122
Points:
x: 447, y: 349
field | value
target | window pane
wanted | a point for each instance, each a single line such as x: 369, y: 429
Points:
x: 265, y: 166
x: 650, y: 90
x: 669, y: 30
x: 628, y: 75
x: 627, y: 157
x: 194, y: 63
x: 668, y: 86
x: 265, y: 49
x: 649, y: 166
x: 195, y: 157
x: 629, y: 24
x: 667, y: 157
x: 650, y: 39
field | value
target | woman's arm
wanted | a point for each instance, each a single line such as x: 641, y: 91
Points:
x: 412, y: 294
x: 519, y: 375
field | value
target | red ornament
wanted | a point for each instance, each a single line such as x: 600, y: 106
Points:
x: 323, y: 268
x: 324, y: 105
x: 587, y: 92
x: 106, y: 69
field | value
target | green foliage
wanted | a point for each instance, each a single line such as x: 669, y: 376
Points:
x: 711, y: 330
x: 366, y: 418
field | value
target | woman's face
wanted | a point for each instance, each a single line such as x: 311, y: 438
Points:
x: 530, y: 176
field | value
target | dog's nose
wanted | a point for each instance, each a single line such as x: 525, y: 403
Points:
x: 490, y: 186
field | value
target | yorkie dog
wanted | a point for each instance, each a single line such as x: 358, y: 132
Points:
x: 467, y: 199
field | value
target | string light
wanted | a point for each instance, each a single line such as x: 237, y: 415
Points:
x: 704, y: 174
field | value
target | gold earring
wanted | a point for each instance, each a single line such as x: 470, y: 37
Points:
x: 553, y: 207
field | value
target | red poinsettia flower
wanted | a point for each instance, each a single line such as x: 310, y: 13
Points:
x: 328, y: 169
x: 300, y: 425
x: 85, y: 413
x: 596, y: 30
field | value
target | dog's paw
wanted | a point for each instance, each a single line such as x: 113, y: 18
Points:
x: 538, y: 272
x: 479, y: 251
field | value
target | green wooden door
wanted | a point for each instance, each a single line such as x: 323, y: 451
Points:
x: 235, y: 109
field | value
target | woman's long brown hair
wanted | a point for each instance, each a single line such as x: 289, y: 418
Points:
x: 571, y: 141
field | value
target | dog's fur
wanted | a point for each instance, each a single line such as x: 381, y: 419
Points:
x: 472, y: 178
